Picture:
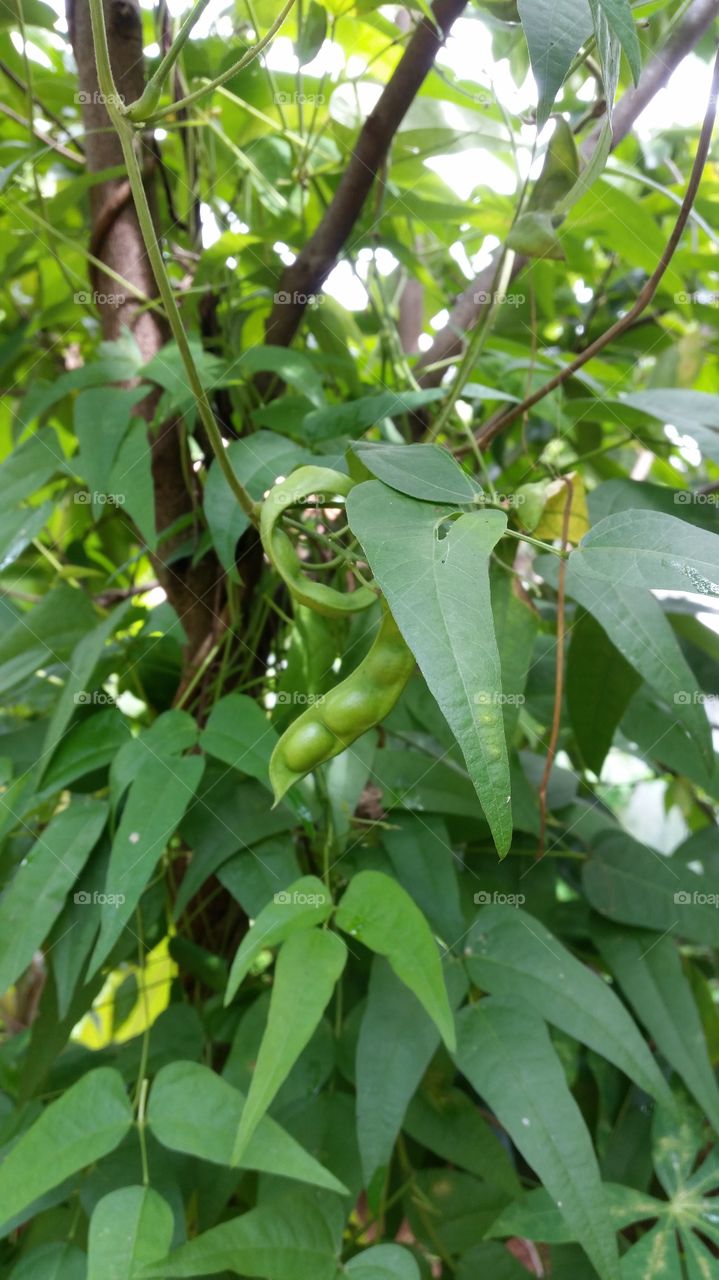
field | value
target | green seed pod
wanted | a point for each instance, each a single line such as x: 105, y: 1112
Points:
x: 327, y: 485
x: 357, y: 703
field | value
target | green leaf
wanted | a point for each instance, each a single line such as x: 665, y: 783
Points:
x: 631, y: 884
x: 257, y: 462
x: 555, y: 31
x: 505, y: 1052
x: 421, y: 854
x: 156, y: 801
x: 447, y: 1122
x: 54, y: 1261
x: 380, y: 914
x: 88, y: 1121
x: 635, y: 623
x: 128, y: 1228
x: 560, y: 169
x: 302, y: 905
x: 510, y: 951
x: 648, y: 968
x: 649, y: 549
x: 600, y: 686
x: 18, y: 527
x: 285, y: 1239
x: 422, y: 471
x: 383, y: 1262
x: 100, y: 420
x: 436, y: 581
x: 312, y: 33
x: 207, y: 1128
x: 308, y: 967
x: 535, y: 1215
x: 492, y: 1260
x: 130, y: 482
x: 36, y: 894
x: 30, y: 466
x: 694, y: 413
x: 534, y: 235
x: 356, y: 416
x: 655, y: 1255
x: 239, y: 733
x: 396, y: 1043
x: 621, y: 21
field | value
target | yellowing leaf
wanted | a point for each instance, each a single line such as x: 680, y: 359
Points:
x: 551, y: 524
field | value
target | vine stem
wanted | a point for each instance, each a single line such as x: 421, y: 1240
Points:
x: 559, y: 675
x: 125, y: 132
x: 145, y: 109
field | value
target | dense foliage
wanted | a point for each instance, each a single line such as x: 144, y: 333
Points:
x: 358, y: 817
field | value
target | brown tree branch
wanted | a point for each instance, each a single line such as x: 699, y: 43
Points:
x: 505, y: 419
x: 117, y: 241
x: 471, y: 303
x: 318, y: 256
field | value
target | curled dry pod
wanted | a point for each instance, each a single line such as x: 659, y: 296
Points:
x: 355, y: 705
x: 325, y: 485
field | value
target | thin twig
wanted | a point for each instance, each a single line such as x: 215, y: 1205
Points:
x: 559, y: 674
x: 492, y: 428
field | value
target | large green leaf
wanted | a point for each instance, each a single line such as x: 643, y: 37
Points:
x: 600, y: 685
x: 555, y: 31
x: 308, y: 967
x: 635, y: 623
x: 207, y: 1128
x: 30, y: 465
x: 383, y: 1262
x: 156, y: 801
x: 89, y: 1120
x: 631, y: 884
x: 286, y: 1239
x: 619, y: 17
x: 396, y: 1043
x: 128, y: 1228
x: 505, y: 1052
x: 36, y: 894
x: 304, y: 904
x: 239, y: 733
x: 510, y: 952
x: 379, y: 913
x: 649, y: 549
x: 446, y: 1121
x: 648, y: 968
x: 54, y: 1261
x: 434, y: 574
x: 420, y: 470
x: 421, y: 854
